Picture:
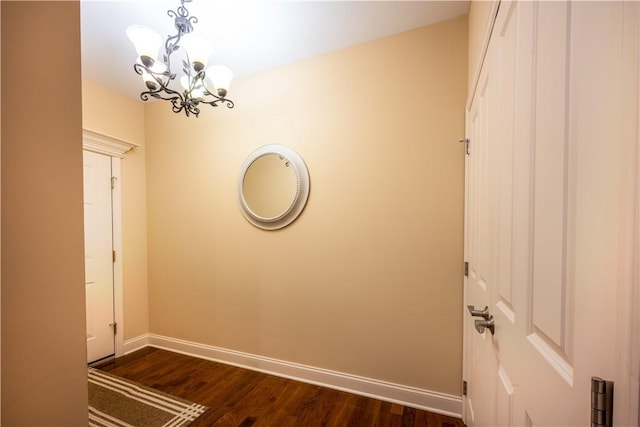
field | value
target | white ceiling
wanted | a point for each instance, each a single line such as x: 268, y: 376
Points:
x: 248, y: 35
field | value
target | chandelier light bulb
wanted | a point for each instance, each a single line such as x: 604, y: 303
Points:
x: 198, y: 50
x: 146, y: 41
x: 220, y: 77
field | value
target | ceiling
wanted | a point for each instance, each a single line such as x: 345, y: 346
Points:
x: 248, y: 35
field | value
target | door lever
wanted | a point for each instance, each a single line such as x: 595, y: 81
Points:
x: 479, y: 313
x: 489, y: 324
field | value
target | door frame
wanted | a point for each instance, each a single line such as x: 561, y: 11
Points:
x: 116, y: 149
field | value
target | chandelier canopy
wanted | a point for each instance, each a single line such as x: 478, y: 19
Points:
x: 198, y: 86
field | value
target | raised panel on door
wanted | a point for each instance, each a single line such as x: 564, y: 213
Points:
x: 535, y: 345
x: 550, y: 284
x: 505, y: 44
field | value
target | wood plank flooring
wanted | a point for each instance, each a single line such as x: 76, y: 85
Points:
x: 243, y: 398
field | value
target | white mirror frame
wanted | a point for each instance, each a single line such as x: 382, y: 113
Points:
x: 302, y: 188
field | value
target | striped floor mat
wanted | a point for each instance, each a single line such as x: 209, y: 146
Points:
x: 117, y: 402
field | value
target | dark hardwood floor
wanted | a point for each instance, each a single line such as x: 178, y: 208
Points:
x: 242, y: 398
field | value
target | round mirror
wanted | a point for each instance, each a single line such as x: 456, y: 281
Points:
x: 273, y: 186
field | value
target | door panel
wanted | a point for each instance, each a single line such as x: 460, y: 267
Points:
x: 98, y: 256
x: 550, y: 174
x: 550, y: 140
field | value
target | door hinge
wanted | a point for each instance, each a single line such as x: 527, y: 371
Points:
x: 466, y: 269
x: 464, y: 388
x: 601, y: 402
x: 113, y: 182
x: 114, y: 325
x: 113, y: 253
x: 466, y: 143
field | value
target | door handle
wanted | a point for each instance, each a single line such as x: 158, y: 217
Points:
x: 489, y: 324
x: 479, y: 313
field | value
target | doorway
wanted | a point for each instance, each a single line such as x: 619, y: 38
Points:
x: 103, y: 244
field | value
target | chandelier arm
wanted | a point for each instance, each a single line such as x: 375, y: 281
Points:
x: 141, y: 69
x: 158, y: 77
x: 145, y: 96
x: 164, y: 93
x: 216, y: 100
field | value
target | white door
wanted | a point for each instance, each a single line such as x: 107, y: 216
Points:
x: 98, y: 234
x: 551, y: 219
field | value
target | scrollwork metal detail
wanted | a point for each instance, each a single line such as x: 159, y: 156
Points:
x: 158, y: 81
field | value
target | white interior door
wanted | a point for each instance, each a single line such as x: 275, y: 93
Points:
x: 99, y: 284
x: 551, y: 215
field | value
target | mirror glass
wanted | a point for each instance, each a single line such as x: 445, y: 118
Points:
x: 270, y: 186
x: 273, y: 186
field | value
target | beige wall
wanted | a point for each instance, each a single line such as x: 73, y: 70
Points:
x: 368, y: 280
x: 479, y: 11
x: 110, y: 113
x: 43, y: 314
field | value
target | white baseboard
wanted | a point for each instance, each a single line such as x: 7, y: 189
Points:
x: 136, y: 343
x: 440, y: 403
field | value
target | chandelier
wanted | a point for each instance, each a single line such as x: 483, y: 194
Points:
x: 198, y: 86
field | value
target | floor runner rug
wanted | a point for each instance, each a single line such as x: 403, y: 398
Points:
x: 117, y: 402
